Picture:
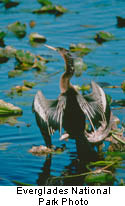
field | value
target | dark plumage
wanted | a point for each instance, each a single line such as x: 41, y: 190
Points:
x: 71, y: 109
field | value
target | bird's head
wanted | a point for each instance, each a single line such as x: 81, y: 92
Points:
x: 67, y: 58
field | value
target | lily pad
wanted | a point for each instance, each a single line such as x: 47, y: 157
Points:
x: 36, y: 38
x: 11, y: 4
x: 9, y: 51
x: 6, y: 53
x: 120, y: 22
x: 123, y: 86
x: 86, y: 87
x: 45, y: 2
x: 99, y: 178
x: 3, y: 57
x: 103, y: 36
x: 29, y: 84
x: 2, y: 35
x: 14, y: 73
x: 39, y: 65
x: 23, y: 66
x: 51, y: 9
x: 9, y: 109
x: 18, y: 90
x: 8, y: 3
x: 25, y: 57
x: 18, y: 29
x: 120, y: 102
x: 11, y: 120
x: 100, y: 71
x: 80, y: 48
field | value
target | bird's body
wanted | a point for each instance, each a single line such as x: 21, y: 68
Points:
x: 73, y: 118
x: 70, y: 109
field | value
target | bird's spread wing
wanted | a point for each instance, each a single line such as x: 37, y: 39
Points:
x: 49, y: 113
x: 95, y: 106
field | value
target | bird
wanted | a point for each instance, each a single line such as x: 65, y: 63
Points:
x: 71, y: 109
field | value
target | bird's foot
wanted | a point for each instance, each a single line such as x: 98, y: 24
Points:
x: 64, y: 137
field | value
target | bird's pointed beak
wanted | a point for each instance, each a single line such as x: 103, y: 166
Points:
x: 50, y: 47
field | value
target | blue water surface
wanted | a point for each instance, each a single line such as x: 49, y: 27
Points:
x: 16, y: 163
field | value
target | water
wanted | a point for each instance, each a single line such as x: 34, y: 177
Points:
x: 16, y: 163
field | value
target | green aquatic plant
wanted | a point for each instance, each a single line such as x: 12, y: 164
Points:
x: 100, y: 71
x: 79, y: 66
x: 45, y: 2
x: 29, y: 84
x: 80, y: 48
x: 25, y: 57
x: 8, y: 3
x: 36, y: 39
x: 103, y: 36
x: 18, y: 90
x: 2, y: 35
x: 51, y: 9
x: 123, y: 86
x: 9, y: 109
x: 14, y: 73
x: 18, y: 29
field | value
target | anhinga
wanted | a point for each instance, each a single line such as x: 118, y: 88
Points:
x: 70, y: 110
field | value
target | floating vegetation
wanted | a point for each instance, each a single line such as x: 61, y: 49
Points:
x: 84, y: 88
x: 45, y: 2
x: 4, y: 146
x: 18, y: 90
x: 39, y: 65
x: 102, y: 178
x: 14, y: 73
x: 8, y: 3
x: 29, y: 84
x: 43, y: 150
x: 80, y: 66
x: 3, y: 57
x: 120, y: 102
x: 18, y: 29
x: 36, y: 39
x: 2, y: 35
x: 80, y: 48
x: 100, y: 71
x: 27, y: 61
x: 99, y: 176
x: 123, y: 86
x: 103, y: 36
x: 6, y: 53
x: 11, y: 120
x: 32, y: 23
x: 51, y: 9
x: 9, y: 109
x: 120, y: 22
x: 25, y: 57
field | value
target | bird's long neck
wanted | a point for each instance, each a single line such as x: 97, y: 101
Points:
x: 65, y: 82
